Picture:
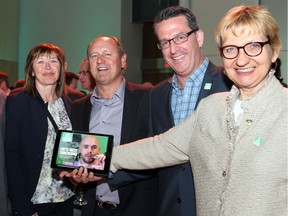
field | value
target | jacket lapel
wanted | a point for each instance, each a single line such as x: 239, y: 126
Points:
x: 131, y: 104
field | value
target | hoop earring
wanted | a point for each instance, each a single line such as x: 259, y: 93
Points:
x: 273, y: 67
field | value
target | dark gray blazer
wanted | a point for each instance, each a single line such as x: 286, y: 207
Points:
x: 3, y: 183
x: 176, y: 188
x: 139, y: 198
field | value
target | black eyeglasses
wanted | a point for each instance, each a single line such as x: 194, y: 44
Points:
x: 181, y: 38
x: 251, y: 49
x: 83, y: 73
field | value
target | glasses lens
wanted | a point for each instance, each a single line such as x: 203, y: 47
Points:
x: 83, y: 73
x: 253, y: 49
x: 177, y: 40
x: 230, y: 52
x: 163, y: 44
x: 159, y: 46
x: 180, y: 39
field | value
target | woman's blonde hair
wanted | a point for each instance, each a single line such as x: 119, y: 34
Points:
x: 249, y: 19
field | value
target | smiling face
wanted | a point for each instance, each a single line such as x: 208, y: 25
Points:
x: 240, y: 26
x: 186, y: 57
x: 46, y: 70
x: 248, y: 73
x: 106, y: 64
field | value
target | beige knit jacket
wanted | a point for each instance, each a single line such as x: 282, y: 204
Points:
x: 237, y: 170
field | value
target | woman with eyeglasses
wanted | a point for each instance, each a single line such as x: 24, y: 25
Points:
x: 85, y: 76
x: 235, y: 141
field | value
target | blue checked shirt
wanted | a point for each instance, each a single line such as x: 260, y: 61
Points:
x: 183, y: 101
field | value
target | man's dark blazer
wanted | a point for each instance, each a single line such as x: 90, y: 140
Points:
x: 26, y: 134
x: 138, y: 198
x: 3, y: 182
x: 176, y: 188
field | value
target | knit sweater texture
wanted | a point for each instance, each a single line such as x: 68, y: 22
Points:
x: 238, y: 170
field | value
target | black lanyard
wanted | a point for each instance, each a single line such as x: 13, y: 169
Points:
x: 45, y: 107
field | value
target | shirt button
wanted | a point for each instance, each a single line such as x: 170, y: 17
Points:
x: 249, y: 121
x: 224, y: 173
x: 182, y: 168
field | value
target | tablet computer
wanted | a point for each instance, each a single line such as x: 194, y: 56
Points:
x: 74, y: 149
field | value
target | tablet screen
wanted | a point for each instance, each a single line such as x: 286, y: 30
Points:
x: 74, y: 149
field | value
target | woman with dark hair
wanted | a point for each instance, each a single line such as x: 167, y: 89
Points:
x: 33, y: 116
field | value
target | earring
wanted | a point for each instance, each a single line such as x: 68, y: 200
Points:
x: 273, y: 67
